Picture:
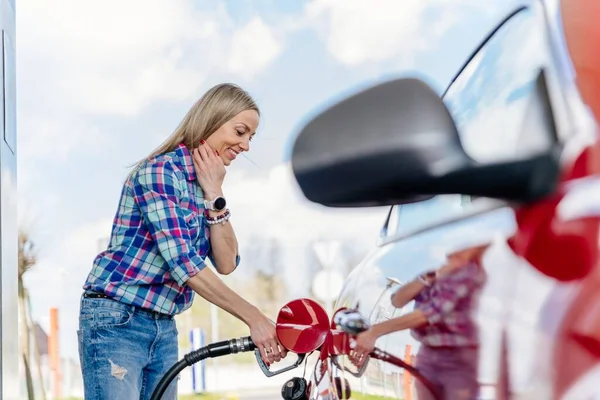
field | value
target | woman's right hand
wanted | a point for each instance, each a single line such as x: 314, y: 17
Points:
x: 210, y: 170
x: 262, y: 332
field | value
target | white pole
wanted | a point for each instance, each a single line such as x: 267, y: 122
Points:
x: 214, y: 323
x: 214, y: 334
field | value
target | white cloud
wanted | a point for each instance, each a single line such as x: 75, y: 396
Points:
x: 58, y: 135
x: 80, y: 59
x: 272, y: 206
x: 275, y: 205
x: 359, y: 32
x: 246, y: 58
x: 97, y: 60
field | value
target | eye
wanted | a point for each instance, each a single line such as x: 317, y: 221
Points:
x: 242, y: 132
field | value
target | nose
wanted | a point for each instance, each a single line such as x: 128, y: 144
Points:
x: 245, y: 144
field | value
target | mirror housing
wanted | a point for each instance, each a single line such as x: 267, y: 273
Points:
x: 396, y: 143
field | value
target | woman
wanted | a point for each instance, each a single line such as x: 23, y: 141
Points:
x: 171, y: 217
x: 442, y: 323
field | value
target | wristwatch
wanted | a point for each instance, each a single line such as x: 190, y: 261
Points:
x: 218, y: 204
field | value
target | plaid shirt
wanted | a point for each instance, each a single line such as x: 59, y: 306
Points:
x: 449, y: 305
x: 159, y: 237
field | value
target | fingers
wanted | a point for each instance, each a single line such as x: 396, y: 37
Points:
x: 269, y: 354
x: 276, y: 352
x: 264, y: 347
x: 197, y: 158
x: 357, y: 355
x: 263, y: 355
x: 272, y: 351
x: 266, y: 353
x: 357, y: 359
x: 265, y: 338
x: 204, y: 159
x: 205, y: 151
x: 208, y: 153
x: 363, y: 345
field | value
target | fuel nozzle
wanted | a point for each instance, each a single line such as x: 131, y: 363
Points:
x: 351, y: 322
x: 220, y: 349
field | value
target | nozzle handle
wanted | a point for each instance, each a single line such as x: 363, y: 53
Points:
x: 268, y: 373
x: 335, y: 361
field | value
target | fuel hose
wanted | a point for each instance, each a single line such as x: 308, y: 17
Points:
x: 212, y: 350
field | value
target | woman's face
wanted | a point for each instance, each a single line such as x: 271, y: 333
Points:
x: 234, y: 136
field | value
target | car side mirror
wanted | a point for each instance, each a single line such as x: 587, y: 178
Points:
x: 396, y: 143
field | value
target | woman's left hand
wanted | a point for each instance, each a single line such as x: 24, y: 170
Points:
x: 210, y: 170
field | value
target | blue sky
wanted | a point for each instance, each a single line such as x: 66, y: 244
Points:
x: 99, y: 90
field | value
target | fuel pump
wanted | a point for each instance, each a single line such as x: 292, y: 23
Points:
x: 303, y: 327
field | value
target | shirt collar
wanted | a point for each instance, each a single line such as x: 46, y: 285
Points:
x: 186, y: 161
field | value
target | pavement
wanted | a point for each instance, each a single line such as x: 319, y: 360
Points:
x: 239, y: 381
x: 261, y: 395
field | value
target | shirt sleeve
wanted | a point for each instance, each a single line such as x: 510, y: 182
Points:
x: 156, y: 191
x: 449, y: 292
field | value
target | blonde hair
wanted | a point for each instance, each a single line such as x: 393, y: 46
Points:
x: 217, y: 106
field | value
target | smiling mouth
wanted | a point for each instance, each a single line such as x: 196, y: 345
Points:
x: 232, y: 153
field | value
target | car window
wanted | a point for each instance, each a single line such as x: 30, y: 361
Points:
x: 409, y: 217
x: 491, y: 97
x: 489, y: 101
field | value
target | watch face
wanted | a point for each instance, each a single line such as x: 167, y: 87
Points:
x: 220, y: 203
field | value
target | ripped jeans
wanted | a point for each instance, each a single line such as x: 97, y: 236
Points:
x: 124, y: 351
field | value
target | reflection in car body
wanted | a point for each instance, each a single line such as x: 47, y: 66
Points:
x: 495, y: 103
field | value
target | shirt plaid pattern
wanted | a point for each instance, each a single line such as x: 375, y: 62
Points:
x: 448, y: 305
x: 159, y: 237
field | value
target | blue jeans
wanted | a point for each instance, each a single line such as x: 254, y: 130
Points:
x: 124, y: 351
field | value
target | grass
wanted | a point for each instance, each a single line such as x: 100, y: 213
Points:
x: 359, y: 396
